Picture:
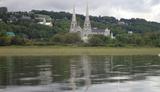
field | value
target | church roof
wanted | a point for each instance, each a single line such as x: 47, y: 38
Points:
x: 98, y: 30
x: 41, y: 16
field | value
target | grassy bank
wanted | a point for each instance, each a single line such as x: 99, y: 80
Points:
x: 49, y: 51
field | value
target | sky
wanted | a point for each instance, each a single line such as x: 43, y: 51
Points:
x: 147, y: 9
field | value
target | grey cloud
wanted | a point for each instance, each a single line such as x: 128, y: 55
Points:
x: 138, y: 8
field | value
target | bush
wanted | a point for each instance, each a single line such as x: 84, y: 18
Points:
x: 66, y: 38
x: 4, y: 40
x: 18, y: 41
x: 72, y: 38
x: 98, y: 40
x: 7, y: 40
x: 58, y: 38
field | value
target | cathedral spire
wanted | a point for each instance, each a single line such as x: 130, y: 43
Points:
x: 74, y: 13
x: 87, y: 12
x: 87, y: 24
x: 74, y: 21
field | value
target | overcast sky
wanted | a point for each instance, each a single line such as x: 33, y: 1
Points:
x: 148, y: 9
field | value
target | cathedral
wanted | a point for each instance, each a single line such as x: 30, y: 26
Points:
x: 87, y: 30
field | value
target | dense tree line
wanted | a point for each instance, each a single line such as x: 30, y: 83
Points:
x: 123, y: 40
x: 27, y: 31
x: 66, y: 38
x: 8, y: 40
x: 135, y: 24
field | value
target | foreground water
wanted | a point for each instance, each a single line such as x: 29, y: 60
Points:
x: 80, y: 74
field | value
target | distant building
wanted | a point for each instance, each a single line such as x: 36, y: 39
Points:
x: 97, y: 31
x: 3, y: 10
x: 12, y: 19
x: 130, y: 32
x: 112, y: 36
x: 44, y: 20
x: 87, y: 29
x: 121, y: 23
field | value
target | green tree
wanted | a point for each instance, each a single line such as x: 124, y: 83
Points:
x: 96, y: 40
x: 58, y: 38
x: 66, y: 38
x: 72, y: 38
x: 5, y: 40
x: 18, y: 41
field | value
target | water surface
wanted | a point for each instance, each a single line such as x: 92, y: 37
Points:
x: 80, y: 74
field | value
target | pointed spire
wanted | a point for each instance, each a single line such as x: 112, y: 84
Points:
x: 87, y: 11
x: 74, y: 13
x: 74, y: 21
x: 87, y: 24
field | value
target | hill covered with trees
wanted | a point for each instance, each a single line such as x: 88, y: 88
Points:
x: 28, y: 31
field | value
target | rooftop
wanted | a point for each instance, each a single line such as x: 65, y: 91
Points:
x: 98, y: 30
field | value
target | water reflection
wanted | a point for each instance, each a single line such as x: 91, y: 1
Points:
x: 80, y: 74
x: 45, y: 73
x: 87, y: 71
x: 73, y: 76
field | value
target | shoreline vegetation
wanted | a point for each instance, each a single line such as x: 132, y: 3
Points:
x: 60, y: 51
x: 26, y: 29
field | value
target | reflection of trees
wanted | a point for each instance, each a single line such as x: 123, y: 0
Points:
x: 60, y: 68
x: 57, y: 69
x: 6, y: 71
x: 26, y: 70
x: 3, y: 71
x: 10, y: 70
x: 106, y: 69
x: 45, y: 73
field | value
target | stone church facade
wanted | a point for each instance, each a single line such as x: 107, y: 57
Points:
x: 87, y: 30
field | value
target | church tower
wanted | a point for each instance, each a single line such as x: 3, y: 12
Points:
x: 73, y: 27
x: 87, y: 25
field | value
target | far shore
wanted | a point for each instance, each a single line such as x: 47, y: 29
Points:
x: 58, y: 50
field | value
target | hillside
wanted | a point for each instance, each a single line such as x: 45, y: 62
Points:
x: 135, y: 25
x: 24, y: 25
